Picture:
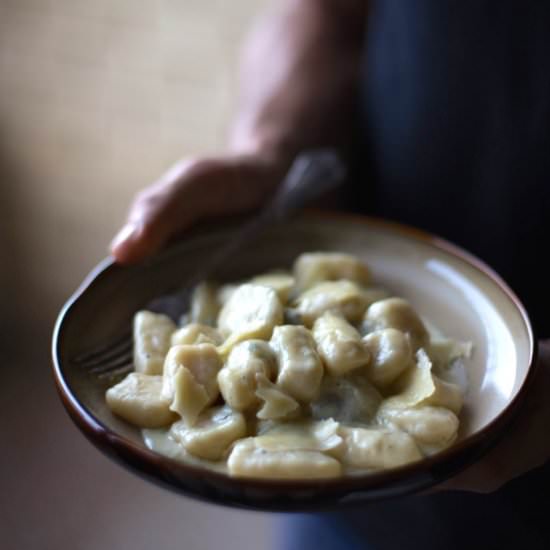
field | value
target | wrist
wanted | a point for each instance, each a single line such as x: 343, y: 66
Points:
x: 266, y: 141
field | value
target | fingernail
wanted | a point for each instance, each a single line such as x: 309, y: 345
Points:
x: 125, y: 234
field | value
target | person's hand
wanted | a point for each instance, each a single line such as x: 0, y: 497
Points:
x: 524, y: 447
x: 193, y: 190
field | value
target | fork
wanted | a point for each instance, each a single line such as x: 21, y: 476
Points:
x: 311, y: 174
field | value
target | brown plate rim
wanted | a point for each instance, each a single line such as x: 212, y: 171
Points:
x: 484, y: 438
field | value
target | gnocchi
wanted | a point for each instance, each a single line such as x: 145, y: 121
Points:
x: 247, y: 459
x: 343, y: 297
x: 190, y: 379
x: 339, y: 344
x: 281, y: 282
x: 152, y: 338
x: 314, y: 267
x: 252, y: 311
x: 300, y: 367
x: 196, y: 333
x: 397, y: 313
x: 138, y: 400
x: 391, y: 354
x: 311, y: 374
x: 238, y: 378
x: 212, y: 434
x: 205, y: 305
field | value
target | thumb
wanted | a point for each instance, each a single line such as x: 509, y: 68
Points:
x: 192, y: 190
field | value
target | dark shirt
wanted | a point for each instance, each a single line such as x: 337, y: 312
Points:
x: 456, y: 109
x: 456, y: 127
x: 514, y: 518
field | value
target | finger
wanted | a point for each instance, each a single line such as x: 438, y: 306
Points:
x: 167, y: 207
x: 126, y: 246
x: 190, y: 191
x: 482, y: 479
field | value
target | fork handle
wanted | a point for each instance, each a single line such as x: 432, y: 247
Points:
x: 311, y: 174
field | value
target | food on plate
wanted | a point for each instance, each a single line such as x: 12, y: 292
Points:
x: 196, y: 333
x: 280, y: 281
x: 311, y: 268
x: 210, y: 436
x: 190, y: 379
x: 312, y: 374
x: 238, y: 380
x: 252, y: 311
x: 299, y: 366
x: 339, y: 344
x: 397, y: 313
x: 152, y: 333
x: 139, y: 400
x: 391, y: 354
x: 343, y: 297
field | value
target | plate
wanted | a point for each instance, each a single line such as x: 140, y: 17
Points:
x: 450, y: 288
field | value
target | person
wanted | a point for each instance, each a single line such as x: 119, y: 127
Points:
x: 442, y: 108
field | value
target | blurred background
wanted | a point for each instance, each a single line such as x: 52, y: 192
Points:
x: 97, y: 98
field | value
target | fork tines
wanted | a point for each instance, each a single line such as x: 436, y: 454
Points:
x: 116, y: 355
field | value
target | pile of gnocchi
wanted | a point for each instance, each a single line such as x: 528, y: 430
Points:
x: 313, y: 373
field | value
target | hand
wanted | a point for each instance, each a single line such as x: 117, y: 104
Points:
x: 524, y: 447
x: 193, y: 190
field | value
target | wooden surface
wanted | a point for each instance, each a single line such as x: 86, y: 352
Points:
x: 97, y: 97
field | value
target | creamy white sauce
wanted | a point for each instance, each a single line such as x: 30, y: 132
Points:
x: 162, y: 442
x: 449, y: 365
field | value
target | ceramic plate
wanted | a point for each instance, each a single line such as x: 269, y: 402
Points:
x: 453, y: 290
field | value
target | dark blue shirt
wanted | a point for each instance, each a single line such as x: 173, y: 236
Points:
x: 456, y: 111
x: 456, y: 130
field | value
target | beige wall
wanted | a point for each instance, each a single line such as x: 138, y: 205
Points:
x: 97, y: 97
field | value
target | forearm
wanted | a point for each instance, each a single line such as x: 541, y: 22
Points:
x: 299, y: 76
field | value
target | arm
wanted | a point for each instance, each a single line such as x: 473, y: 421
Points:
x: 298, y: 87
x: 299, y: 77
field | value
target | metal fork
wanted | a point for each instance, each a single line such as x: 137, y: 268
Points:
x: 311, y: 174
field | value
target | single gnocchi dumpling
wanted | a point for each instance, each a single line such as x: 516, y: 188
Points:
x: 152, y: 333
x: 196, y: 333
x: 376, y: 449
x: 190, y: 379
x: 225, y: 292
x: 138, y: 400
x: 314, y: 267
x: 280, y: 281
x: 277, y: 405
x: 347, y: 399
x: 300, y: 368
x: 342, y: 297
x: 399, y: 314
x: 419, y: 386
x: 249, y: 460
x: 435, y: 426
x: 251, y: 312
x: 339, y: 344
x: 204, y: 304
x: 210, y: 437
x: 237, y: 379
x: 391, y: 354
